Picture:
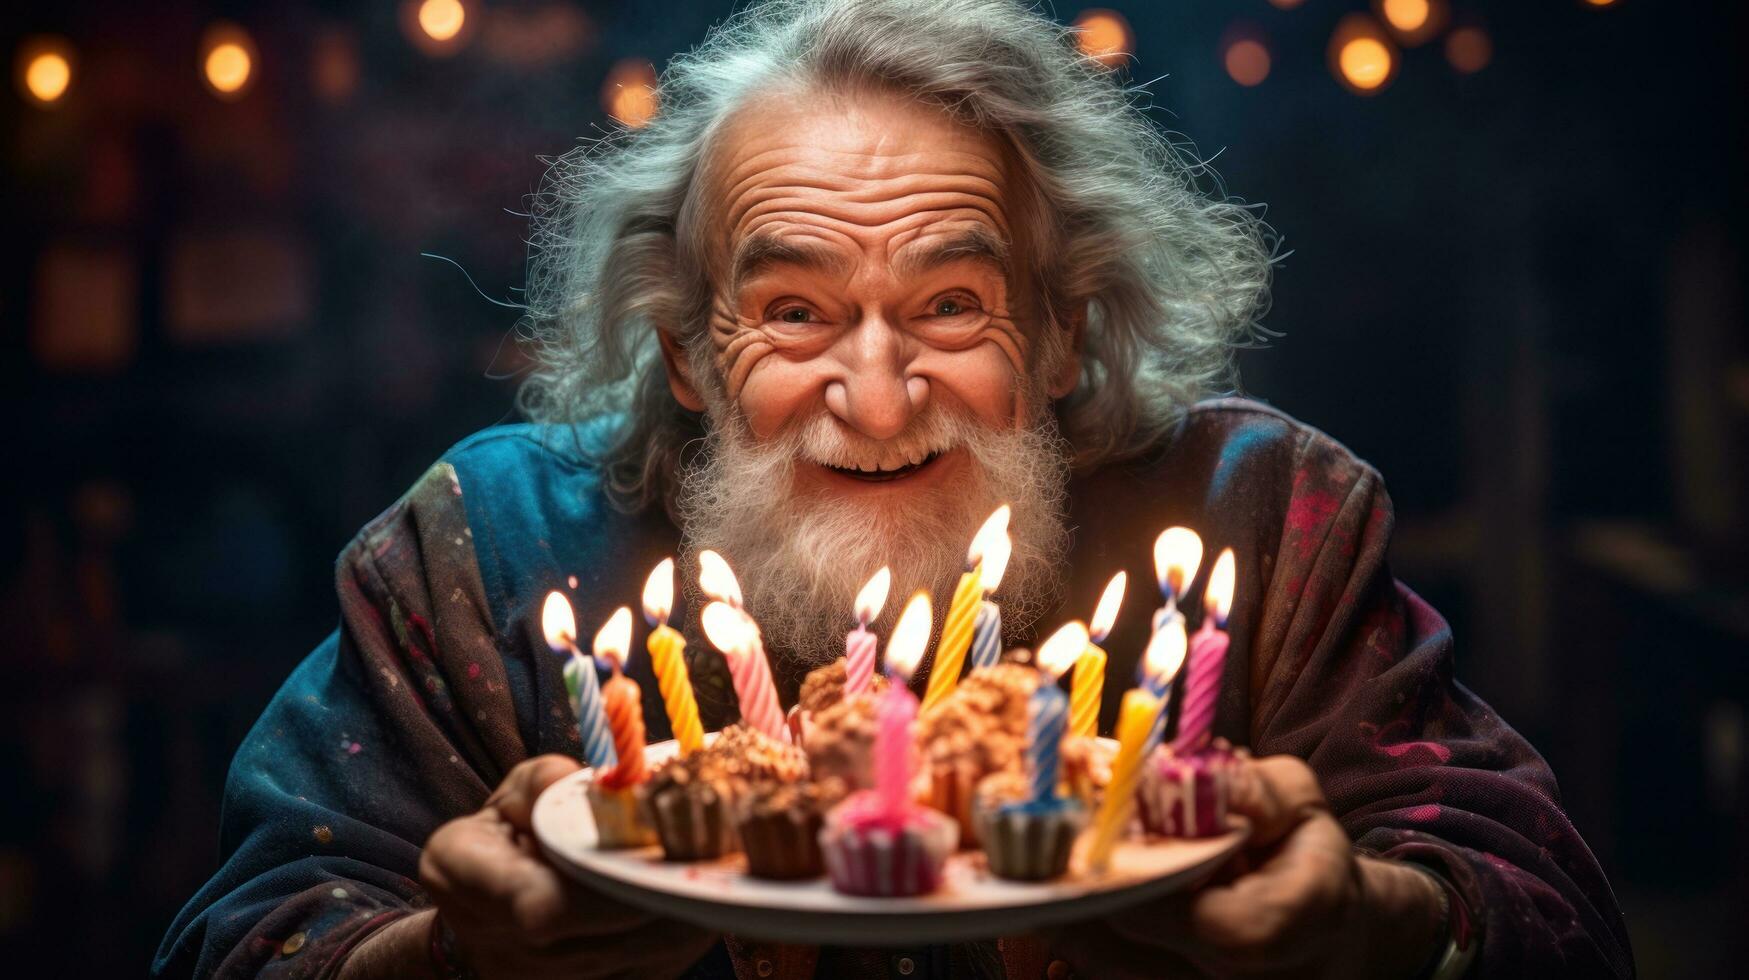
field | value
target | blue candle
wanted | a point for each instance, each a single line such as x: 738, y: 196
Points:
x: 1048, y: 711
x: 585, y: 689
x: 987, y: 636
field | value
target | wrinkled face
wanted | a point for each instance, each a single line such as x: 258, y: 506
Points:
x: 875, y: 380
x: 863, y: 276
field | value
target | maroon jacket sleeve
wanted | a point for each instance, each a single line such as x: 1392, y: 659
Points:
x: 1353, y: 672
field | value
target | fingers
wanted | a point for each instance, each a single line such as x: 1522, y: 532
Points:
x: 1277, y: 793
x: 514, y: 798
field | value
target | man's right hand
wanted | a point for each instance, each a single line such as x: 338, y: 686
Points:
x: 515, y: 915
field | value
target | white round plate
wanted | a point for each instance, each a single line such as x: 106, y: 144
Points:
x: 971, y: 903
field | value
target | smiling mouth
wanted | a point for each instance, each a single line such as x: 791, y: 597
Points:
x: 883, y: 476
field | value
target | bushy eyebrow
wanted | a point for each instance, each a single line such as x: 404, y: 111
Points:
x: 974, y: 243
x: 759, y: 252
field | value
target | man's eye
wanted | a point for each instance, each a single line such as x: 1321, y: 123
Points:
x: 795, y: 314
x: 949, y: 307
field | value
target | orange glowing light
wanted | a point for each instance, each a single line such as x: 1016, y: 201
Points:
x: 1600, y: 3
x: 442, y: 20
x: 629, y: 94
x: 558, y: 622
x: 1415, y: 22
x: 1166, y: 650
x: 995, y: 526
x: 1062, y: 649
x: 909, y: 637
x: 227, y: 61
x: 659, y: 592
x: 1469, y: 49
x: 1177, y: 554
x: 717, y: 579
x: 728, y: 628
x: 1247, y: 62
x: 1361, y: 55
x: 1104, y: 36
x: 614, y: 637
x: 1285, y: 4
x: 873, y: 596
x: 45, y: 69
x: 1110, y: 600
x: 1218, y: 599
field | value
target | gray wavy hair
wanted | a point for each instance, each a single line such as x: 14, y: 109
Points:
x: 1170, y: 275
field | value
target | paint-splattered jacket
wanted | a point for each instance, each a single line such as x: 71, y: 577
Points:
x: 436, y: 683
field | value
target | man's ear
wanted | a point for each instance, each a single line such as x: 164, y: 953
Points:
x: 679, y: 372
x: 1068, y: 373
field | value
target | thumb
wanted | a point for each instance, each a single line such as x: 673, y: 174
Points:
x: 514, y: 798
x: 1277, y: 793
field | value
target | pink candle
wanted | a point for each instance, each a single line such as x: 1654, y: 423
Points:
x: 859, y: 643
x: 1208, y: 659
x: 898, y: 709
x: 734, y: 633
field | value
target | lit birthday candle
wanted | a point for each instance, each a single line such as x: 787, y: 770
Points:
x: 1134, y: 722
x: 987, y: 630
x: 962, y: 612
x: 1048, y: 711
x: 559, y: 624
x: 1088, y: 686
x: 748, y: 667
x: 622, y: 701
x: 1161, y: 662
x: 859, y: 643
x: 668, y: 657
x: 898, y: 708
x: 1177, y: 554
x: 1208, y: 658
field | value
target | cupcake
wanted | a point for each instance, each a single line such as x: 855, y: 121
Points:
x: 822, y: 689
x: 978, y: 730
x: 840, y: 743
x: 619, y: 823
x: 1087, y: 768
x: 1025, y: 839
x: 690, y: 801
x: 1185, y: 795
x: 780, y: 823
x: 871, y: 851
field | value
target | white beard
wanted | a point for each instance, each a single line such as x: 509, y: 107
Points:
x: 802, y: 558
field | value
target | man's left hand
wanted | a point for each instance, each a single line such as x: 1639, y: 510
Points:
x: 1296, y: 902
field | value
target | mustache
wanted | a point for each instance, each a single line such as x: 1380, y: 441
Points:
x: 824, y: 440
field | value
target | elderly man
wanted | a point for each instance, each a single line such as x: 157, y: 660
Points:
x: 876, y: 267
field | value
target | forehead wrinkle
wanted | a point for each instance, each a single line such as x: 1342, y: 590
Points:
x: 766, y: 248
x: 929, y: 253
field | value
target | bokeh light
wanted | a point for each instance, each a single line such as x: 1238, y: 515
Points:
x: 442, y: 20
x: 45, y: 69
x: 1285, y: 4
x: 1599, y: 3
x: 1414, y: 22
x: 1247, y: 61
x: 1469, y: 49
x: 1104, y: 36
x: 334, y: 67
x: 1361, y: 55
x: 629, y: 94
x: 227, y: 60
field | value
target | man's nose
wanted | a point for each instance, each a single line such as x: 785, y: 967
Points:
x: 872, y: 394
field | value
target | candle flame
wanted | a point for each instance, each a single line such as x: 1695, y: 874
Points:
x: 558, y: 622
x: 659, y: 592
x: 726, y: 627
x: 1062, y: 649
x: 995, y: 562
x: 716, y: 578
x: 873, y: 597
x: 1177, y: 554
x: 910, y: 636
x: 1218, y: 597
x: 614, y: 637
x: 1166, y: 649
x: 1109, y: 602
x: 994, y: 526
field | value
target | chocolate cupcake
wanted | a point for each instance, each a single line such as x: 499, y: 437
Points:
x: 1025, y: 839
x: 978, y: 730
x: 840, y: 743
x: 780, y: 823
x: 687, y: 802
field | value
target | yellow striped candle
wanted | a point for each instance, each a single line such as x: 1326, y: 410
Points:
x: 962, y: 613
x: 1135, y: 721
x: 668, y: 656
x: 1088, y: 688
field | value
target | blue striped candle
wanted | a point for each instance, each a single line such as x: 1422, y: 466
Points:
x: 592, y: 731
x: 987, y: 636
x: 1048, y: 716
